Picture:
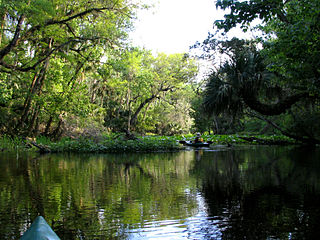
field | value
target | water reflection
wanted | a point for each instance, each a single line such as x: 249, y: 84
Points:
x: 265, y: 193
x: 239, y: 193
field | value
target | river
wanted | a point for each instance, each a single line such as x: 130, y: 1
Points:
x: 243, y: 192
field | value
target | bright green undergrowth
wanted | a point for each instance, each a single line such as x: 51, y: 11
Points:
x: 115, y: 145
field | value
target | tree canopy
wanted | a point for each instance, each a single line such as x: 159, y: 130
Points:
x: 69, y: 64
x: 147, y: 83
x: 275, y: 74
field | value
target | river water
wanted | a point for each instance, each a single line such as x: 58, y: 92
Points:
x: 221, y: 193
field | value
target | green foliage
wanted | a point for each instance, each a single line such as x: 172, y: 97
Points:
x: 149, y: 143
x: 146, y: 144
x: 202, y: 122
x: 63, y: 62
x: 5, y: 93
x: 244, y: 12
x: 9, y: 144
x: 290, y: 37
x: 239, y: 139
x: 239, y: 77
x: 109, y: 143
x: 55, y: 46
x: 281, y: 79
x: 143, y: 92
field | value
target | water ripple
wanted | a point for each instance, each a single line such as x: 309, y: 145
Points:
x: 199, y: 227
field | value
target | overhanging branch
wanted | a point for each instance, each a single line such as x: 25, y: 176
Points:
x: 273, y: 109
x: 33, y: 66
x: 18, y: 37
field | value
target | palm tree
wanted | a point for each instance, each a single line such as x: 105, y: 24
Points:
x: 239, y: 78
x: 243, y: 83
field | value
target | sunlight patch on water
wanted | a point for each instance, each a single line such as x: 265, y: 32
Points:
x: 199, y: 226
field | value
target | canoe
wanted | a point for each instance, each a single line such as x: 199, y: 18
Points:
x: 193, y: 144
x: 40, y: 230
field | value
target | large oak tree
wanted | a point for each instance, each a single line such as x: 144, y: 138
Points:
x: 46, y: 49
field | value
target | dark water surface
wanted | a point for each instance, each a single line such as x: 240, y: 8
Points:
x: 240, y: 193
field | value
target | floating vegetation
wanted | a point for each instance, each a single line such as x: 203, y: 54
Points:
x: 109, y: 143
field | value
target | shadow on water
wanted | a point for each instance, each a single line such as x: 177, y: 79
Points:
x: 238, y: 193
x: 266, y: 193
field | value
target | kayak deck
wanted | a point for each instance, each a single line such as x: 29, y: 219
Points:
x: 39, y: 230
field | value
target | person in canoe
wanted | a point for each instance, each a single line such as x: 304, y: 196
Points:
x: 198, y: 138
x: 196, y: 142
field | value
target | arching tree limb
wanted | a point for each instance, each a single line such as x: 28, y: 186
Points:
x: 273, y: 109
x: 134, y: 117
x: 18, y: 37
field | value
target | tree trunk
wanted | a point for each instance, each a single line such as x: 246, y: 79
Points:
x: 48, y: 125
x: 265, y: 128
x: 3, y: 19
x: 216, y: 124
x: 129, y: 110
x: 35, y: 88
x: 145, y: 113
x: 27, y: 102
x: 14, y: 41
x: 56, y: 133
x: 134, y: 117
x: 33, y: 120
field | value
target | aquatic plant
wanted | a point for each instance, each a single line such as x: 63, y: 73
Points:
x: 112, y: 143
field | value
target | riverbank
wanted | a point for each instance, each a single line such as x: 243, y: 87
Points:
x: 117, y: 143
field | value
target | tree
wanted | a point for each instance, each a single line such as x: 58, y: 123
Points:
x: 143, y: 82
x: 47, y: 47
x: 172, y: 114
x: 291, y: 31
x: 169, y: 74
x: 280, y: 78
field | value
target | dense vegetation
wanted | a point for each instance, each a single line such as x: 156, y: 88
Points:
x: 115, y: 143
x: 67, y: 67
x: 68, y: 71
x: 274, y: 77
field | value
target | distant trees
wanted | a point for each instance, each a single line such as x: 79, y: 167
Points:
x: 147, y: 87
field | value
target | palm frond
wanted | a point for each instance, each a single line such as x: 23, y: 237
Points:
x: 243, y: 75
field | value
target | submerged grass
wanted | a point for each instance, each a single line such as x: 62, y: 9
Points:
x: 109, y: 143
